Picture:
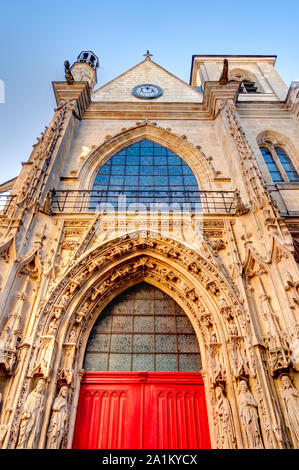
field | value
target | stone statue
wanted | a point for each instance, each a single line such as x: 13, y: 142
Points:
x: 224, y: 74
x: 30, y: 417
x: 58, y: 419
x: 291, y: 399
x: 68, y: 74
x: 248, y: 410
x: 227, y: 439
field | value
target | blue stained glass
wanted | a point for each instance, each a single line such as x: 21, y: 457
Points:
x: 133, y: 151
x: 146, y: 160
x: 146, y: 151
x: 293, y: 176
x: 131, y: 170
x: 160, y: 170
x: 147, y: 164
x: 276, y: 176
x: 161, y: 180
x: 145, y: 180
x: 189, y: 180
x: 118, y: 160
x: 175, y: 180
x: 187, y: 170
x: 131, y: 180
x: 105, y: 170
x: 116, y: 180
x: 160, y: 160
x: 119, y: 170
x: 271, y: 165
x: 174, y: 160
x: 131, y: 160
x: 146, y: 170
x: 287, y: 164
x: 160, y: 151
x: 102, y: 179
x: 175, y: 170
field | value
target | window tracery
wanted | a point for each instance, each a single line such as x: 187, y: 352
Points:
x: 278, y: 163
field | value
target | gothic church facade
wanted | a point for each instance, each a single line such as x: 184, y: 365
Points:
x: 148, y: 263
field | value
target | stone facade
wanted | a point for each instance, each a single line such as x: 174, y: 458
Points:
x: 234, y: 274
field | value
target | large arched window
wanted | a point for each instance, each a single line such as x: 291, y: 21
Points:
x: 147, y: 172
x: 278, y: 163
x: 142, y: 329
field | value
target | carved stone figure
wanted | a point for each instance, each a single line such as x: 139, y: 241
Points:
x: 58, y: 419
x: 224, y: 74
x: 227, y: 439
x: 291, y: 399
x: 248, y: 410
x: 68, y: 74
x: 30, y: 417
x: 239, y: 206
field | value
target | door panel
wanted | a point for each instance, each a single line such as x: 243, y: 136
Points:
x: 134, y: 410
x: 108, y: 417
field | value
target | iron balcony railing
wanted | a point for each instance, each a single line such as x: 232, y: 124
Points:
x: 6, y: 200
x: 209, y: 202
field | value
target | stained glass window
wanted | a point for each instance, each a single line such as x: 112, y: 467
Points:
x: 279, y: 164
x: 272, y: 167
x: 287, y: 164
x: 146, y: 169
x: 142, y: 329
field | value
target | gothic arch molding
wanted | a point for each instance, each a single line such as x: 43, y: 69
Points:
x: 152, y: 270
x: 102, y: 273
x: 189, y: 278
x: 191, y: 155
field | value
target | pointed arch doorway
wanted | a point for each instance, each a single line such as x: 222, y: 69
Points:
x: 142, y: 386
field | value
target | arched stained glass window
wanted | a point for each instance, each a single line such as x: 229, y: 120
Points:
x: 271, y: 165
x: 279, y: 164
x: 147, y: 172
x: 287, y: 164
x: 142, y: 329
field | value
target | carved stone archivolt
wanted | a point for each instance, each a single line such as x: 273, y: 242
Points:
x: 76, y: 299
x: 104, y: 272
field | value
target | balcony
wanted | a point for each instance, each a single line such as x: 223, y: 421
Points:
x: 6, y: 200
x: 207, y: 202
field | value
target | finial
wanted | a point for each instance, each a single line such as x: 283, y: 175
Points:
x: 148, y: 55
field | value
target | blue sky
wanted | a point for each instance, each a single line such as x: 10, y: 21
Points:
x: 36, y: 37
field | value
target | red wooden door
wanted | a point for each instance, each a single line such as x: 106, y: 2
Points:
x: 141, y: 410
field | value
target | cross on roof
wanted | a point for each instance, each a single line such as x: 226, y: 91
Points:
x: 148, y: 55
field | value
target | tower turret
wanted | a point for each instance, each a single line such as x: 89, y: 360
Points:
x: 85, y: 68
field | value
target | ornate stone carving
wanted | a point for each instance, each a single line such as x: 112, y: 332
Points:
x: 240, y: 209
x: 217, y: 245
x: 291, y: 401
x: 42, y: 364
x: 67, y: 371
x: 58, y: 419
x: 30, y: 417
x: 248, y: 410
x: 226, y: 428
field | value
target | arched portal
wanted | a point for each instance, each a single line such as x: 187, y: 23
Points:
x: 142, y: 386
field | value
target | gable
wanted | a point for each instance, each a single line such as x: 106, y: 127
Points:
x: 147, y: 72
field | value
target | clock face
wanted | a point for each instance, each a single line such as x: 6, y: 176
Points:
x: 147, y: 91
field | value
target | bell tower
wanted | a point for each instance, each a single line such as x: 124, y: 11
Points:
x: 85, y: 68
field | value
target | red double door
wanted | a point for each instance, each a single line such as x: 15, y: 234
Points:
x: 141, y: 410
